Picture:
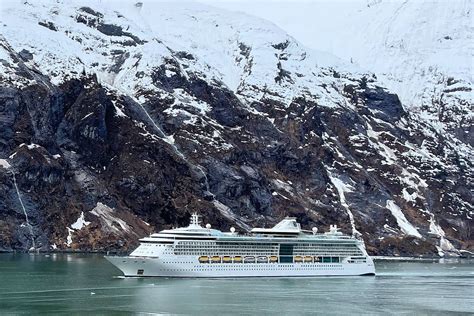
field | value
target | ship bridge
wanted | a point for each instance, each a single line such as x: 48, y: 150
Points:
x: 192, y: 232
x: 287, y: 227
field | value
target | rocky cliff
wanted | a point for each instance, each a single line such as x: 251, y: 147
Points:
x: 123, y: 118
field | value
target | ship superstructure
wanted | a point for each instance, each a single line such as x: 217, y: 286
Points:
x: 284, y: 250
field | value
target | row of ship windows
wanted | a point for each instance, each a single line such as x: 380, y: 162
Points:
x: 248, y: 266
x: 338, y: 253
x: 227, y: 249
x: 292, y: 260
x: 264, y: 248
x: 335, y: 253
x: 352, y: 251
x: 226, y: 246
x: 213, y: 243
x: 326, y: 267
x: 260, y: 248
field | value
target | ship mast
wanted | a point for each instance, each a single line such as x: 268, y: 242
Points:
x: 194, y: 220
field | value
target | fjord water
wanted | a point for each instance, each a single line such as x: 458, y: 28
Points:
x: 84, y: 283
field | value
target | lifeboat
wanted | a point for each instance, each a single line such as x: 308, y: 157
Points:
x: 204, y: 259
x: 273, y: 259
x: 317, y: 259
x: 249, y: 259
x: 298, y: 259
x: 237, y: 259
x: 216, y: 259
x: 227, y: 259
x: 262, y: 259
x: 308, y: 259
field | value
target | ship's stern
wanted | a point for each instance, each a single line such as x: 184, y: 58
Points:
x: 370, y: 266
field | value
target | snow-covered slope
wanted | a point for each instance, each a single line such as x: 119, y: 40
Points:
x: 421, y: 49
x: 145, y: 110
x: 228, y: 47
x: 424, y: 51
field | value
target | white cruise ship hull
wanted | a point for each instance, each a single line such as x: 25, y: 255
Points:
x: 189, y: 267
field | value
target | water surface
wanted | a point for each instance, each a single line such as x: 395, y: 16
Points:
x: 83, y: 283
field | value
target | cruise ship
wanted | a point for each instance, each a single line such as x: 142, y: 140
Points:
x: 282, y: 251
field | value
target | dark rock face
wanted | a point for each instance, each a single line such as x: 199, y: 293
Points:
x: 95, y: 168
x: 81, y: 153
x: 94, y: 19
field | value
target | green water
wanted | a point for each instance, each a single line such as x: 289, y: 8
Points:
x: 87, y: 284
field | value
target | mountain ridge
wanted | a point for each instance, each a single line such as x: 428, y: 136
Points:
x: 137, y: 134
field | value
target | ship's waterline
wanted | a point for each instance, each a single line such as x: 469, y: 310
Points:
x: 284, y: 250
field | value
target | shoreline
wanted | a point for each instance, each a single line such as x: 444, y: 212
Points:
x: 407, y: 259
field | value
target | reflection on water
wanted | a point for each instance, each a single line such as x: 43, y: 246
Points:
x: 81, y: 283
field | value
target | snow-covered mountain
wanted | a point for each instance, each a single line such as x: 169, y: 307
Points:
x: 421, y: 49
x: 118, y: 118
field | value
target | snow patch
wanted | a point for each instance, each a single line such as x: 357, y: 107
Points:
x: 226, y: 212
x: 4, y: 164
x: 87, y: 116
x: 30, y: 146
x: 69, y: 236
x: 283, y: 186
x: 108, y: 220
x: 169, y: 73
x: 170, y: 139
x: 409, y: 197
x: 384, y: 150
x: 342, y: 188
x: 444, y: 244
x: 412, y: 180
x: 77, y: 225
x: 402, y: 221
x: 119, y: 112
x: 80, y: 222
